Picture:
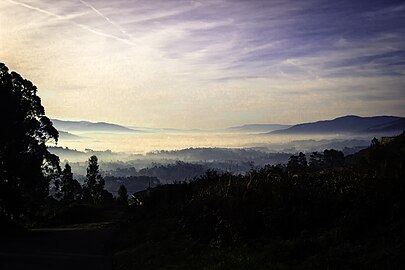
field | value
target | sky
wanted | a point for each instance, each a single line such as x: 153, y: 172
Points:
x: 208, y: 64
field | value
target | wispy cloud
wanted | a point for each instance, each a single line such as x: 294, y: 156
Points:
x: 258, y: 57
x: 69, y: 19
x: 117, y: 26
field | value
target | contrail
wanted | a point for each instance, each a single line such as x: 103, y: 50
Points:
x: 117, y: 26
x: 62, y: 18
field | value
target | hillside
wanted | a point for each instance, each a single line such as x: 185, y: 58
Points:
x: 396, y: 125
x: 258, y: 127
x: 85, y: 126
x: 343, y: 125
x: 64, y: 135
x: 334, y: 217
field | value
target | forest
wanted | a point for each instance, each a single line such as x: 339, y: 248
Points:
x: 332, y: 212
x: 321, y: 211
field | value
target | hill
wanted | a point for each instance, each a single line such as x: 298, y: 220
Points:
x: 394, y: 126
x: 85, y: 126
x: 342, y: 125
x: 64, y: 135
x: 258, y: 127
x: 345, y: 216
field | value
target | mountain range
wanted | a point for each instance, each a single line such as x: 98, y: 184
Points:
x: 350, y: 124
x: 85, y: 126
x: 258, y: 127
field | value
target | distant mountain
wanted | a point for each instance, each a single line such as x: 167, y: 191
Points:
x: 149, y: 129
x: 394, y: 126
x: 342, y: 125
x: 64, y: 135
x: 258, y: 127
x: 74, y: 155
x: 85, y: 126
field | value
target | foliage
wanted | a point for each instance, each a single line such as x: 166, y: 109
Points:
x: 297, y: 163
x: 70, y: 188
x: 122, y: 197
x: 26, y: 166
x: 94, y: 183
x: 340, y: 216
x: 330, y: 158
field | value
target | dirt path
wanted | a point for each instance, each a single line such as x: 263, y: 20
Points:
x: 58, y: 248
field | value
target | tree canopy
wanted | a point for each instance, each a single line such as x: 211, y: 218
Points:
x: 94, y: 183
x: 26, y: 166
x: 70, y: 188
x: 122, y: 197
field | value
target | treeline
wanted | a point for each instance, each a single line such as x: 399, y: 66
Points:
x: 131, y: 183
x: 66, y: 189
x: 330, y: 213
x: 32, y: 183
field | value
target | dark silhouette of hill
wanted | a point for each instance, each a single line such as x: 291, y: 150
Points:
x: 258, y: 127
x: 340, y: 125
x: 85, y: 126
x: 394, y: 126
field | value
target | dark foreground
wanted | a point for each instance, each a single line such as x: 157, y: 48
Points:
x: 58, y: 248
x: 334, y: 213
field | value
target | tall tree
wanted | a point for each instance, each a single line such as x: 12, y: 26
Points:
x: 94, y: 183
x: 26, y: 166
x: 122, y: 197
x: 70, y: 187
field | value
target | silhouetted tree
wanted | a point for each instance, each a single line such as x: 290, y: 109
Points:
x: 374, y: 142
x: 297, y: 163
x: 70, y: 188
x: 333, y: 158
x: 122, y: 197
x: 26, y: 166
x: 316, y: 160
x: 94, y: 183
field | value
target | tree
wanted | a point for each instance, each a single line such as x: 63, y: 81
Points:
x: 375, y: 142
x: 297, y: 163
x: 94, y: 183
x: 333, y: 158
x: 70, y: 188
x: 316, y: 160
x: 26, y: 165
x: 122, y: 195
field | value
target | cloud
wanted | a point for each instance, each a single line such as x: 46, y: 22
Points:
x: 144, y: 60
x: 117, y: 26
x: 70, y: 19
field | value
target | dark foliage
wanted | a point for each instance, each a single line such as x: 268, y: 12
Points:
x: 26, y: 166
x: 132, y: 183
x: 94, y: 184
x: 176, y: 172
x: 346, y: 214
x: 71, y: 189
x: 122, y: 197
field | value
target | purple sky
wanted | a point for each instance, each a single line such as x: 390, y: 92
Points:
x: 208, y: 64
